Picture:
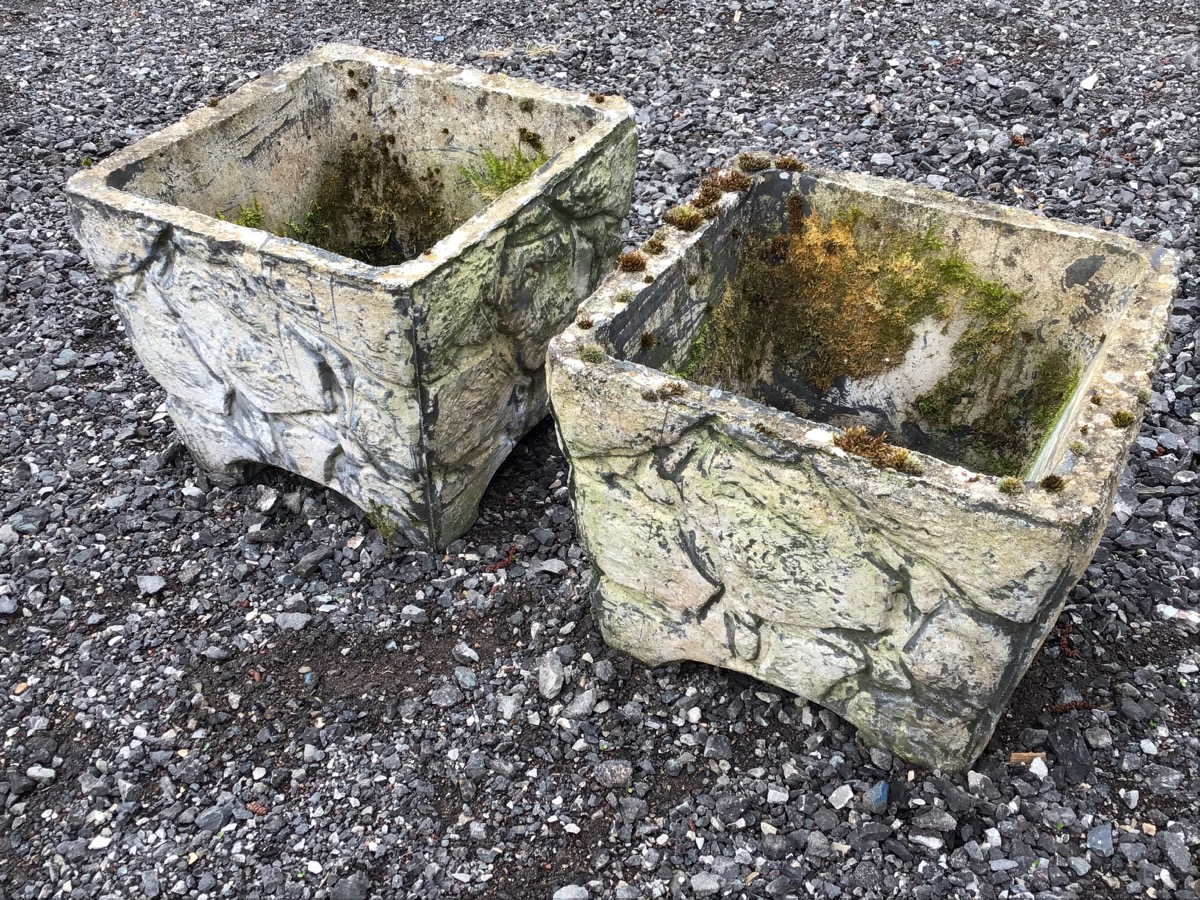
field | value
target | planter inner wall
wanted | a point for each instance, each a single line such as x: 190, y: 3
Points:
x: 979, y: 383
x: 343, y: 151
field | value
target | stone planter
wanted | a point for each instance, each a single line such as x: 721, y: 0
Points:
x: 400, y: 364
x: 906, y: 589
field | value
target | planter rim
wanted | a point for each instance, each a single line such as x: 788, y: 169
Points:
x: 93, y: 183
x: 1132, y: 346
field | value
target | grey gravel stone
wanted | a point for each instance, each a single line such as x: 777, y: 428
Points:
x: 446, y: 695
x: 550, y: 675
x: 291, y: 621
x: 214, y: 818
x: 352, y: 887
x: 1100, y: 839
x: 581, y: 705
x: 614, y: 773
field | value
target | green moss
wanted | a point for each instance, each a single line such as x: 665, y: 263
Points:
x: 840, y: 298
x: 1054, y: 484
x: 1010, y: 485
x: 685, y: 218
x: 655, y: 244
x: 877, y: 451
x: 754, y: 162
x: 591, y: 353
x: 1123, y: 418
x: 1079, y: 448
x: 383, y: 521
x: 996, y: 429
x: 525, y: 105
x: 250, y: 216
x: 633, y: 261
x: 498, y: 173
x: 372, y: 207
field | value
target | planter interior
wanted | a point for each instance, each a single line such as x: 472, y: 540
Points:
x: 906, y: 584
x: 318, y: 275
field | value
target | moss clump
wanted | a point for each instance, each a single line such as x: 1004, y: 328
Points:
x: 384, y: 522
x: 754, y: 162
x: 591, y: 353
x: 731, y: 180
x: 1079, y: 448
x: 708, y: 194
x: 1054, y: 484
x: 633, y: 261
x: 649, y: 340
x: 525, y: 105
x: 584, y: 322
x: 250, y: 216
x: 839, y: 298
x: 1001, y: 437
x: 832, y: 307
x: 497, y: 174
x: 1143, y: 395
x: 623, y: 296
x: 685, y: 218
x: 372, y: 207
x: 1010, y: 485
x: 789, y: 164
x: 876, y: 450
x: 655, y: 244
x: 1123, y: 418
x: 666, y: 392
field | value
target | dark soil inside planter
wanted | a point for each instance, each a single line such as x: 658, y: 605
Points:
x: 370, y: 205
x: 830, y: 302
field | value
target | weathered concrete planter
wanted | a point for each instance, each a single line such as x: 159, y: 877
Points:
x: 402, y: 386
x: 727, y: 531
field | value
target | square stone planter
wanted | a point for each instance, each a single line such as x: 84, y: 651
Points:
x: 907, y: 583
x: 313, y: 276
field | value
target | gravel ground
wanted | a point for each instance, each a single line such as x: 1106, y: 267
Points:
x: 224, y: 690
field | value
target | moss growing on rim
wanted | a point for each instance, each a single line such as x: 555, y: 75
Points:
x: 754, y: 162
x: 655, y: 244
x: 876, y: 450
x: 591, y: 353
x: 1123, y: 418
x: 633, y: 261
x: 685, y: 218
x: 1010, y: 485
x: 1054, y: 484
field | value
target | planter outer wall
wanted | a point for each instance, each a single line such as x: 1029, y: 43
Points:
x: 731, y: 533
x: 402, y: 387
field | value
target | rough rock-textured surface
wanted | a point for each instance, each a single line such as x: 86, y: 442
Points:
x: 402, y: 387
x: 731, y: 533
